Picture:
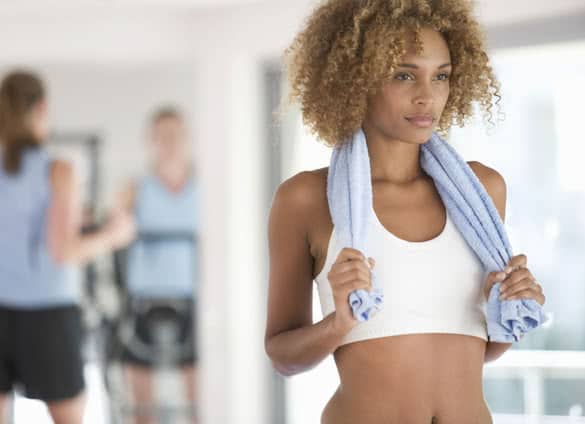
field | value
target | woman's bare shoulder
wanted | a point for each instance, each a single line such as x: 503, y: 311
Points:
x: 494, y: 184
x: 303, y: 190
x: 300, y: 205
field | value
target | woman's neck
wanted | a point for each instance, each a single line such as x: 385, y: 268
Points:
x: 393, y: 160
x: 173, y: 176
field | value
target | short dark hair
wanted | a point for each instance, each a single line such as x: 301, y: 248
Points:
x: 165, y: 112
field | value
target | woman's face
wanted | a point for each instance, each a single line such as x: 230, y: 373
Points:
x: 409, y: 105
x: 169, y: 141
x: 39, y: 121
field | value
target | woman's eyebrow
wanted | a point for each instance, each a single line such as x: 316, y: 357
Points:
x: 413, y: 66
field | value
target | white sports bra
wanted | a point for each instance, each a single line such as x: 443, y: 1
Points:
x: 433, y: 286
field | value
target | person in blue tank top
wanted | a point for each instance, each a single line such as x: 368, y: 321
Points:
x: 40, y: 246
x: 162, y: 263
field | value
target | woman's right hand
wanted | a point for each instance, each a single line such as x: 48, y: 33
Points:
x: 349, y: 272
x: 121, y: 228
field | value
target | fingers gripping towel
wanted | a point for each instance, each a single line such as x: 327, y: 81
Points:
x: 349, y: 194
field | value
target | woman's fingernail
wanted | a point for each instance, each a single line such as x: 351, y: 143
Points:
x: 501, y: 275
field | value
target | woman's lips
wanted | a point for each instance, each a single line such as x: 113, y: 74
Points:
x: 421, y: 121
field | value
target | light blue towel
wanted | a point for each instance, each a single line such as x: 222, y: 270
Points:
x: 349, y: 194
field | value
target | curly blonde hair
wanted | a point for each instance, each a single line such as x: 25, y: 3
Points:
x: 349, y: 48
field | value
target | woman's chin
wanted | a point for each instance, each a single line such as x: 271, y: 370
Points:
x: 419, y: 137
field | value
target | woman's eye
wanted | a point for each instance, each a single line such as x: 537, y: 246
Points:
x: 404, y: 76
x: 399, y: 76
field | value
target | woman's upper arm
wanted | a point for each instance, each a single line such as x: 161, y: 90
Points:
x: 64, y: 214
x: 494, y: 184
x: 291, y: 263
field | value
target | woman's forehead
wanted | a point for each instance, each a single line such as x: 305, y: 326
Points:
x: 434, y: 49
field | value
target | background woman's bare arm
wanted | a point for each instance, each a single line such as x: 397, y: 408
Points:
x: 66, y: 244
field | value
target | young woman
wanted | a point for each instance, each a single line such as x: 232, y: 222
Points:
x: 40, y: 223
x: 399, y: 70
x: 165, y: 205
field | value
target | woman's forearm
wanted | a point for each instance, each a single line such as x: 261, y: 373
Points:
x: 301, y: 349
x: 494, y: 350
x: 81, y: 249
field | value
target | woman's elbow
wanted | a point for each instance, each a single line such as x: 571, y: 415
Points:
x: 60, y: 253
x: 281, y: 369
x: 280, y: 366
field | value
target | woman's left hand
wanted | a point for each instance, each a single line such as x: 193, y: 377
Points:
x: 519, y: 282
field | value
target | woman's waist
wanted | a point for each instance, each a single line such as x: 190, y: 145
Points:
x: 40, y: 287
x: 404, y: 406
x: 163, y: 266
x: 411, y: 364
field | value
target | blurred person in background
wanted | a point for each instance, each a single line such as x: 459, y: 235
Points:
x: 40, y: 246
x: 162, y: 263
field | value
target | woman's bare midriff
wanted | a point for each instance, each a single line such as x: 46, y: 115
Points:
x: 410, y: 379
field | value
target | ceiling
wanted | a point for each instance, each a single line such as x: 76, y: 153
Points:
x: 129, y: 31
x: 490, y: 12
x: 51, y: 5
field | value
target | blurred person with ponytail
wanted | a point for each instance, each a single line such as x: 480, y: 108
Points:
x: 40, y: 244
